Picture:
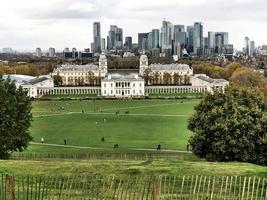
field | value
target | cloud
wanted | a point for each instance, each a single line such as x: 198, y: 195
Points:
x: 69, y: 22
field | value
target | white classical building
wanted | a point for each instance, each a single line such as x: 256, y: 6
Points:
x: 183, y: 71
x: 118, y: 85
x: 210, y: 83
x: 31, y: 84
x: 82, y: 74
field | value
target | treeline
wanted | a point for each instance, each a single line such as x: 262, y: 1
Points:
x: 28, y: 69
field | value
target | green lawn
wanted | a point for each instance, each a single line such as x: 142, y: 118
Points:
x: 149, y: 123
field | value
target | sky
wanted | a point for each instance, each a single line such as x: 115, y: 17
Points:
x: 27, y: 24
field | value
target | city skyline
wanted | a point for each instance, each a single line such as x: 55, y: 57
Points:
x: 29, y: 26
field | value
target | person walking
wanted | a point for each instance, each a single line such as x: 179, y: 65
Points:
x: 42, y: 140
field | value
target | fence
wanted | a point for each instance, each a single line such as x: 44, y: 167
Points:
x: 132, y: 188
x: 107, y: 156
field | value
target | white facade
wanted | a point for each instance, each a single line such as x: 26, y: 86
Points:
x: 210, y: 83
x: 81, y: 74
x: 122, y: 85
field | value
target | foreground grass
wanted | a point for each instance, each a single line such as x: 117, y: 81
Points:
x: 129, y: 167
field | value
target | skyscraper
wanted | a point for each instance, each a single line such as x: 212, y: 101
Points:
x: 97, y: 37
x: 190, y: 38
x: 155, y: 38
x: 246, y: 49
x: 211, y: 40
x: 51, y: 52
x: 252, y: 48
x: 103, y: 44
x: 128, y: 43
x: 198, y: 38
x: 115, y: 38
x: 143, y: 41
x: 166, y: 35
x: 179, y: 35
x: 149, y: 41
x: 38, y: 52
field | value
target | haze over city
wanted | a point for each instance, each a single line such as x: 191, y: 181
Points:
x: 28, y: 24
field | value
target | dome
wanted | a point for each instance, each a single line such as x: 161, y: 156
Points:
x: 143, y: 57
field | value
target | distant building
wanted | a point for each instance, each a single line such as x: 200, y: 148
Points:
x: 31, y: 84
x: 198, y: 38
x: 156, y: 52
x: 247, y: 48
x: 166, y: 35
x: 118, y: 85
x: 103, y: 44
x: 180, y: 35
x: 252, y: 48
x: 38, y: 52
x: 155, y: 38
x: 80, y: 74
x: 97, y: 37
x: 115, y: 38
x: 128, y: 43
x: 51, y: 52
x: 190, y: 38
x: 7, y: 50
x: 210, y: 83
x: 143, y: 41
x: 160, y: 70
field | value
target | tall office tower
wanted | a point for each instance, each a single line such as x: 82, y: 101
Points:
x: 149, y: 41
x: 142, y: 41
x: 128, y: 43
x: 252, y: 48
x: 218, y: 43
x: 190, y: 38
x: 155, y: 38
x: 38, y: 52
x: 103, y: 44
x: 198, y: 38
x: 179, y: 35
x: 97, y: 37
x: 211, y: 40
x: 51, y: 52
x: 246, y: 49
x: 225, y: 37
x: 115, y: 38
x: 166, y: 35
x: 66, y: 49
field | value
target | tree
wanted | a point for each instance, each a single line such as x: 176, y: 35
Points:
x: 167, y: 78
x: 15, y: 118
x: 57, y: 80
x: 147, y: 75
x: 177, y: 79
x: 230, y: 126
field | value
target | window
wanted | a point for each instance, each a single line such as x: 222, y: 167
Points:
x: 140, y: 84
x: 140, y: 92
x: 111, y: 91
x: 128, y: 91
x: 104, y: 91
x: 111, y: 85
x: 104, y: 84
x: 133, y: 84
x: 133, y: 91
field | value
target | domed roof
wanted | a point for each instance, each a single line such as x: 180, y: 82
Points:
x: 102, y: 57
x: 143, y: 57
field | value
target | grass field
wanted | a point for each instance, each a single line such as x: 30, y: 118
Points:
x: 129, y: 167
x: 149, y: 123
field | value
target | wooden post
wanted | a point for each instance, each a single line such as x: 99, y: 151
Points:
x: 10, y: 187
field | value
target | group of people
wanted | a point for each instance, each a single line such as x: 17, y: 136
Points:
x: 116, y: 146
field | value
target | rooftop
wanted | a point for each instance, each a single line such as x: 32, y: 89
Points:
x: 122, y: 77
x: 78, y: 67
x: 211, y: 80
x: 173, y: 66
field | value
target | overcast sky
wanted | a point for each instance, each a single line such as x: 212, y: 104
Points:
x: 27, y: 24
